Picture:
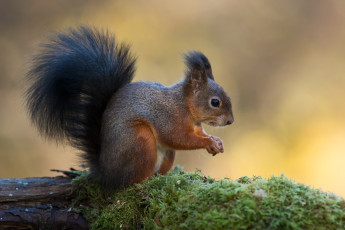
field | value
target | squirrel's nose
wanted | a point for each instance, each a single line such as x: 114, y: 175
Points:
x: 230, y: 121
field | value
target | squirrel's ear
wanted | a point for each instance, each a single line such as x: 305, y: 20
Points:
x: 196, y: 79
x: 198, y: 70
x: 196, y: 60
x: 209, y: 74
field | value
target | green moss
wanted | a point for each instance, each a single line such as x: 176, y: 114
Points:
x: 183, y: 200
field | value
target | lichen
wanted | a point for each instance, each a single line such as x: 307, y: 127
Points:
x: 183, y: 200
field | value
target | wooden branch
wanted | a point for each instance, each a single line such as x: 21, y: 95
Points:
x: 38, y: 203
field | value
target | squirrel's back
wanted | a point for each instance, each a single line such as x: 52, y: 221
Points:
x: 148, y: 102
x: 73, y: 78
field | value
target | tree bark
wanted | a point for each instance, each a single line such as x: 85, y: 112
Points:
x: 38, y: 203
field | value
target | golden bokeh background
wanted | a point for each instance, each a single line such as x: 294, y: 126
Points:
x: 281, y: 61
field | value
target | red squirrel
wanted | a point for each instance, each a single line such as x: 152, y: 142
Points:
x: 81, y: 91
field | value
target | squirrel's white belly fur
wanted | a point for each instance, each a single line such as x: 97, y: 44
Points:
x: 160, y: 156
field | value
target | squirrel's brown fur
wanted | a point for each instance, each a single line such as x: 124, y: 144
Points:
x: 128, y: 131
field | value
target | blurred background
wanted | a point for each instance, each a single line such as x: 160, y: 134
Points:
x: 281, y: 61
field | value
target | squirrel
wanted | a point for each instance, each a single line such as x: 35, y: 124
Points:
x: 81, y: 90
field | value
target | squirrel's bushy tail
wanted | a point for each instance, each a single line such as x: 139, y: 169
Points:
x: 73, y: 78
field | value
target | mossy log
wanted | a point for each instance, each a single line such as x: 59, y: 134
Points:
x: 179, y: 200
x: 38, y: 203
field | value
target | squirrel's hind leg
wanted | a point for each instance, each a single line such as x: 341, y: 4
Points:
x: 133, y: 160
x: 146, y: 150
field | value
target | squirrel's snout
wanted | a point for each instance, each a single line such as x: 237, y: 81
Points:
x: 230, y: 120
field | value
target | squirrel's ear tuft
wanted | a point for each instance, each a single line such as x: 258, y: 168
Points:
x: 197, y: 61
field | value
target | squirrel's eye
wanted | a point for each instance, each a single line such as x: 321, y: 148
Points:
x: 215, y: 102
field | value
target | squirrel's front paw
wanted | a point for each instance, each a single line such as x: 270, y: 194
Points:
x: 216, y: 146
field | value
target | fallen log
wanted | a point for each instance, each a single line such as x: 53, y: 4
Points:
x: 178, y: 200
x: 38, y: 203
